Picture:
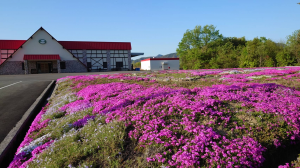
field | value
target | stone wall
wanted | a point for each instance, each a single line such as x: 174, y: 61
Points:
x: 73, y: 66
x: 12, y: 68
x: 31, y: 65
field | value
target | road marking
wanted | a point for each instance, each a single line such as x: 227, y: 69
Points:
x: 10, y: 85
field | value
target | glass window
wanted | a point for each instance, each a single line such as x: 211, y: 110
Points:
x: 119, y: 64
x: 62, y: 65
x: 89, y: 64
x: 104, y: 64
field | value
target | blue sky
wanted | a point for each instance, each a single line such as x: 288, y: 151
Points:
x: 152, y: 26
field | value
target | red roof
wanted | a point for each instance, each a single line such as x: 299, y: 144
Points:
x: 11, y: 44
x: 160, y: 59
x: 73, y: 45
x: 41, y: 57
x: 86, y: 45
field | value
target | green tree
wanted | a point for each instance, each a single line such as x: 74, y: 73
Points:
x: 137, y: 65
x: 293, y: 44
x: 285, y: 58
x: 191, y: 47
x: 251, y: 54
x: 227, y: 56
x: 259, y: 52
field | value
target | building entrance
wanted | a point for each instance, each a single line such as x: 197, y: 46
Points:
x: 44, y: 67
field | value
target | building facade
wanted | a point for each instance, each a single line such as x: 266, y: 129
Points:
x: 42, y: 53
x: 160, y: 64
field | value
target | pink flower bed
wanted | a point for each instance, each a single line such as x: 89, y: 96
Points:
x: 174, y: 117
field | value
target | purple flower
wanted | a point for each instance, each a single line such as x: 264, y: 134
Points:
x: 83, y: 121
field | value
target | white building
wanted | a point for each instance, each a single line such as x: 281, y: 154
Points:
x: 42, y: 53
x: 160, y: 64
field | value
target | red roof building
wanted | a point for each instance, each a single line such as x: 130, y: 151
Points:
x: 42, y: 53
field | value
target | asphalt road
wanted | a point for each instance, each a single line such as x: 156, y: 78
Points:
x: 19, y: 92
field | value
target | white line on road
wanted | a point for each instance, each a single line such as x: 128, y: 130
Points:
x: 10, y: 85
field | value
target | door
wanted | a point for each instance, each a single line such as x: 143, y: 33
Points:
x: 165, y: 66
x: 44, y: 67
x: 119, y: 66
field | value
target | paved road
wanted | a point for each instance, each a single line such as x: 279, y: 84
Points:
x: 18, y: 93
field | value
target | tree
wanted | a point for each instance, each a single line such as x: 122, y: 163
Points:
x: 260, y: 52
x: 137, y: 65
x: 293, y: 44
x: 227, y: 56
x: 192, y: 45
x: 285, y: 58
x: 251, y: 55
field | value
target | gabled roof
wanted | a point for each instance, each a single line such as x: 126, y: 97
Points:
x: 41, y: 28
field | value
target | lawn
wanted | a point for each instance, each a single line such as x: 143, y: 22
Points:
x: 216, y: 118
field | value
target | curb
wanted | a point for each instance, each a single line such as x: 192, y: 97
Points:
x: 13, y: 139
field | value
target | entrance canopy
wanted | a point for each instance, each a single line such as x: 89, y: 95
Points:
x: 41, y: 57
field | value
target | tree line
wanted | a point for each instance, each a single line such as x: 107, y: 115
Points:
x: 204, y: 48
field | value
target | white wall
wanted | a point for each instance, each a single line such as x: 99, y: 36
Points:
x: 145, y: 65
x: 157, y: 64
x: 32, y: 46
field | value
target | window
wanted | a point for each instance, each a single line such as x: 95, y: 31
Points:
x: 23, y: 68
x: 119, y: 64
x: 6, y: 53
x: 119, y: 59
x: 78, y: 54
x: 104, y: 64
x: 96, y: 58
x: 62, y: 65
x: 89, y: 64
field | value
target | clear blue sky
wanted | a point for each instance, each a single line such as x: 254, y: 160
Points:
x: 152, y: 26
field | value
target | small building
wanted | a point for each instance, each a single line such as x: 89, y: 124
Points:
x: 160, y: 64
x: 42, y: 53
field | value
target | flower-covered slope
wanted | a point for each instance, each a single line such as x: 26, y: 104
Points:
x: 121, y: 120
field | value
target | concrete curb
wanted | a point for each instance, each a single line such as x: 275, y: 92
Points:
x: 54, y: 90
x: 13, y: 139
